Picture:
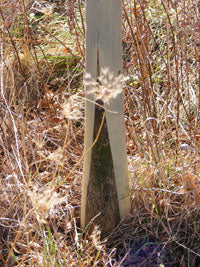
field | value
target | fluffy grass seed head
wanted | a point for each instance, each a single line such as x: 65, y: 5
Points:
x: 43, y: 200
x: 96, y: 238
x: 72, y: 109
x: 106, y: 87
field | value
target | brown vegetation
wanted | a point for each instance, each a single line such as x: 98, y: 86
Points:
x: 41, y: 135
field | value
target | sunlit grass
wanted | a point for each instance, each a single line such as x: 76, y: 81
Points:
x: 41, y: 136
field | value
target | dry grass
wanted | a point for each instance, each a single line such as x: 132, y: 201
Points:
x: 41, y: 136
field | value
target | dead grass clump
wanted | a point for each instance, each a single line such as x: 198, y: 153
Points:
x: 41, y: 136
x: 164, y: 226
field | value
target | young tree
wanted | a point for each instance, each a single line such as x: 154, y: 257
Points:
x: 105, y: 191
